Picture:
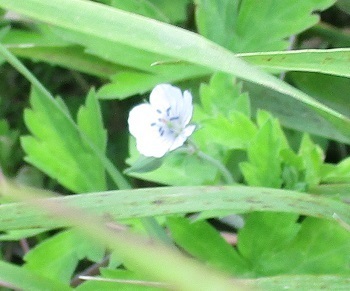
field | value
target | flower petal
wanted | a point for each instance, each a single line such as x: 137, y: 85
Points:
x: 140, y: 119
x: 180, y: 139
x: 187, y: 108
x: 189, y: 130
x: 156, y: 147
x: 165, y: 96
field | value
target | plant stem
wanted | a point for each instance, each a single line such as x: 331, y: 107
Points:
x: 223, y: 170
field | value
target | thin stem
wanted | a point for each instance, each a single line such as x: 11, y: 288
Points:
x: 150, y: 223
x: 223, y: 170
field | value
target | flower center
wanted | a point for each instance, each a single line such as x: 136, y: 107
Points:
x: 167, y: 123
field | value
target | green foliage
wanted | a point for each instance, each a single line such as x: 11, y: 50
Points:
x: 204, y: 242
x: 243, y: 26
x: 268, y: 115
x: 17, y: 277
x: 58, y: 256
x: 58, y: 149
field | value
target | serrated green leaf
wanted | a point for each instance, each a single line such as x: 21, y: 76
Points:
x: 202, y: 241
x: 313, y: 157
x: 56, y: 147
x: 223, y: 96
x: 90, y: 122
x: 58, y: 256
x: 235, y: 132
x: 264, y: 166
x: 266, y: 26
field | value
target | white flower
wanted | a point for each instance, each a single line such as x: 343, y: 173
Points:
x: 162, y: 125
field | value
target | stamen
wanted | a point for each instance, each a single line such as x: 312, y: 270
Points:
x: 159, y: 111
x: 173, y: 118
x: 153, y: 124
x: 161, y: 131
x: 168, y: 111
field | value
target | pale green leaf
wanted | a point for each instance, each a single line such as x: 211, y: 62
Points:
x: 331, y: 61
x: 123, y: 204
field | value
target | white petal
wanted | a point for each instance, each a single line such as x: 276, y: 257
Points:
x: 188, y: 130
x: 180, y: 140
x: 156, y: 147
x: 165, y: 96
x: 187, y: 108
x: 140, y: 119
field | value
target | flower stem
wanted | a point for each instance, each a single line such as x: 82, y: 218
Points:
x: 223, y: 170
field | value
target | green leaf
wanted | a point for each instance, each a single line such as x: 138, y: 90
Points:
x: 223, y: 96
x: 235, y: 132
x: 50, y: 48
x: 90, y: 122
x: 177, y: 169
x: 124, y: 204
x: 292, y: 114
x: 333, y: 92
x: 202, y: 241
x: 332, y: 61
x: 267, y: 26
x: 142, y: 7
x: 144, y: 164
x: 56, y: 147
x: 176, y: 11
x: 58, y: 256
x: 264, y: 166
x: 20, y: 278
x: 312, y: 159
x: 339, y: 173
x: 302, y: 282
x: 263, y: 235
x: 311, y: 251
x: 174, y: 44
x: 216, y: 20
